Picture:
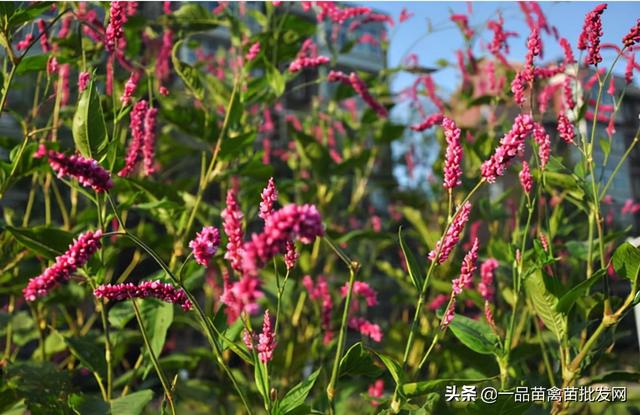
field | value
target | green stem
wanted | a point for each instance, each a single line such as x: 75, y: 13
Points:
x: 353, y: 269
x: 154, y: 359
x: 107, y: 350
x: 618, y: 166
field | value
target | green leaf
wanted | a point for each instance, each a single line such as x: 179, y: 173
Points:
x: 415, y: 269
x: 357, y: 361
x: 232, y: 147
x: 415, y: 389
x: 475, y: 334
x: 626, y: 261
x: 194, y: 17
x: 276, y: 80
x: 31, y: 12
x: 42, y: 240
x: 43, y: 387
x: 120, y: 314
x: 394, y: 368
x: 544, y: 303
x: 569, y: 298
x: 615, y: 376
x: 88, y: 405
x: 297, y: 395
x: 32, y: 63
x: 189, y: 75
x: 261, y: 378
x: 605, y: 146
x: 157, y: 316
x: 132, y: 404
x: 89, y: 352
x: 89, y: 129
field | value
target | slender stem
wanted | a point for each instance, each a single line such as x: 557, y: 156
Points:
x: 426, y: 355
x: 353, y: 269
x: 107, y: 349
x: 5, y: 88
x: 154, y: 359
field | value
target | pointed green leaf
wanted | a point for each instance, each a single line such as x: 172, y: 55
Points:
x: 89, y: 352
x: 415, y: 270
x: 42, y: 240
x: 189, y: 75
x: 544, y: 304
x: 569, y: 298
x: 475, y: 334
x: 132, y: 404
x: 415, y: 389
x: 394, y: 368
x: 626, y: 261
x: 89, y: 129
x: 157, y: 316
x: 357, y: 361
x: 297, y: 395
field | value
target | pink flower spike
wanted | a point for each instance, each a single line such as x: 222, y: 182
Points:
x: 449, y: 313
x: 428, y: 122
x: 44, y: 38
x: 633, y: 36
x: 149, y: 141
x: 591, y: 33
x: 450, y: 240
x: 525, y: 177
x: 83, y: 81
x: 130, y: 88
x: 466, y: 270
x: 544, y: 144
x: 87, y: 171
x: 253, y: 52
x: 136, y: 143
x: 452, y: 170
x: 78, y: 254
x: 301, y: 222
x: 362, y: 289
x: 156, y: 289
x: 267, y: 340
x: 232, y: 217
x: 241, y: 296
x: 511, y: 145
x: 486, y: 285
x: 205, y: 245
x: 290, y: 255
x: 565, y: 129
x: 269, y: 197
x: 117, y: 19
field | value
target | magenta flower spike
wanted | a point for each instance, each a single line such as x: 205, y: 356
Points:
x: 156, y: 289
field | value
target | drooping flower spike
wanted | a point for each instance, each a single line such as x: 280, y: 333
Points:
x: 78, y: 254
x: 156, y: 289
x: 87, y: 171
x: 591, y: 33
x: 443, y: 248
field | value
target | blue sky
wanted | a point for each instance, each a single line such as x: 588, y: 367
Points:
x: 446, y: 38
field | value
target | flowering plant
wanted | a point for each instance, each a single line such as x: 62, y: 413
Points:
x: 180, y: 235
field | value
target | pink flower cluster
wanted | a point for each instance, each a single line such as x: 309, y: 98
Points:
x: 269, y: 197
x: 466, y: 270
x: 240, y: 296
x: 361, y: 89
x: 486, y: 286
x: 453, y: 158
x: 24, y: 43
x: 232, y: 224
x: 320, y: 291
x: 290, y: 255
x: 266, y: 340
x: 366, y: 328
x: 544, y: 143
x: 205, y: 245
x: 339, y: 15
x: 143, y: 139
x: 307, y: 57
x: 44, y: 38
x: 633, y: 36
x: 443, y: 248
x: 253, y: 52
x: 87, y: 171
x: 362, y: 289
x: 78, y: 254
x: 591, y: 33
x: 525, y: 177
x: 510, y: 145
x: 463, y: 22
x: 130, y: 88
x: 300, y: 222
x: 117, y: 19
x: 463, y: 281
x: 156, y: 289
x: 565, y: 129
x: 83, y: 81
x: 428, y: 122
x: 630, y: 207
